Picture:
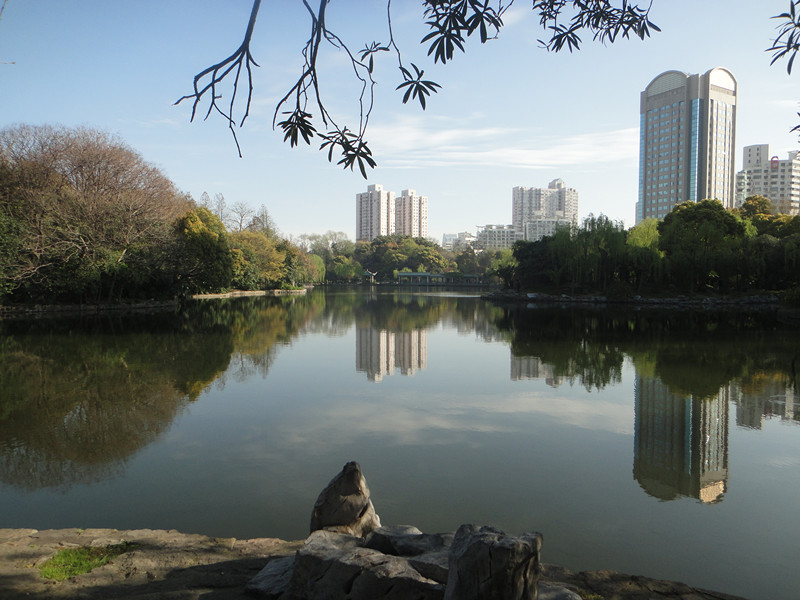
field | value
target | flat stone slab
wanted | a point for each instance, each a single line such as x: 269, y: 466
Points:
x: 164, y: 564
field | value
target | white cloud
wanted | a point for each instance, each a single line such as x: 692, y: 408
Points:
x: 433, y: 142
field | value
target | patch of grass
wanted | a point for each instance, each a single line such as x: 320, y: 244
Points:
x: 77, y: 561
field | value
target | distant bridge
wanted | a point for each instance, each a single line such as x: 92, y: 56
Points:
x: 437, y: 279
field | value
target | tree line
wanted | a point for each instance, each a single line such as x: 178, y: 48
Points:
x: 385, y: 256
x: 699, y: 247
x: 84, y: 218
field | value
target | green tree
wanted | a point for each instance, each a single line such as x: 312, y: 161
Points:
x: 756, y: 205
x: 257, y: 259
x: 467, y: 261
x: 504, y: 266
x: 316, y: 268
x: 702, y: 243
x: 344, y: 268
x: 644, y: 257
x: 205, y: 262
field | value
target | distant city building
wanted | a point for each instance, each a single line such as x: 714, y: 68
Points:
x: 375, y: 213
x: 464, y: 241
x: 557, y: 205
x: 379, y: 212
x: 448, y: 239
x: 768, y: 176
x: 535, y: 230
x: 496, y: 237
x: 687, y: 137
x: 411, y: 214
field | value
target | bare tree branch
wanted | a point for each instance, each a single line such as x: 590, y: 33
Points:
x: 217, y: 73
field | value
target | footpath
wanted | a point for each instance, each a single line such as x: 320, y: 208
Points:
x: 177, y: 566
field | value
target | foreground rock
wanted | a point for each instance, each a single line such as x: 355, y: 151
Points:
x: 487, y: 563
x: 400, y: 563
x: 345, y: 505
x: 174, y: 565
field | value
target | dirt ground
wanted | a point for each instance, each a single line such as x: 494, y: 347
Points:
x: 176, y: 566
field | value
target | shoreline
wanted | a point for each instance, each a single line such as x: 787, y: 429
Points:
x: 754, y: 301
x: 25, y: 310
x: 171, y: 564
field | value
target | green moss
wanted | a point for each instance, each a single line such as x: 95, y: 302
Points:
x: 77, y: 561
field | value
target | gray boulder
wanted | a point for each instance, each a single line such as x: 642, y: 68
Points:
x: 334, y: 566
x: 344, y: 506
x: 486, y: 564
x: 556, y: 591
x: 401, y: 562
x: 274, y: 579
x: 428, y: 554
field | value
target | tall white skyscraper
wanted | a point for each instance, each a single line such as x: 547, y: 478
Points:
x: 768, y: 176
x: 411, y: 214
x: 556, y: 204
x: 687, y: 136
x: 375, y: 213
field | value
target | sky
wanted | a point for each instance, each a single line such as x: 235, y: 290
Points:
x: 509, y: 113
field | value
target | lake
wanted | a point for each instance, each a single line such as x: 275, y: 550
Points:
x: 660, y: 443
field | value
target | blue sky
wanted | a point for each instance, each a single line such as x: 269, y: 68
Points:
x: 509, y: 113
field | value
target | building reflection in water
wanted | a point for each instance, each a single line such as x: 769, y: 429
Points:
x: 379, y: 352
x: 680, y: 443
x: 771, y: 399
x: 532, y: 367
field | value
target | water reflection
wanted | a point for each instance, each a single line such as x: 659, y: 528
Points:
x: 80, y: 397
x: 380, y: 351
x: 533, y: 367
x: 767, y: 397
x: 680, y: 443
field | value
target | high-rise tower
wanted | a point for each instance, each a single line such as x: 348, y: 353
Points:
x: 687, y: 137
x: 411, y: 214
x: 374, y: 213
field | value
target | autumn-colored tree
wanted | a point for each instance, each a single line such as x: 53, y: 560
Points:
x: 88, y: 215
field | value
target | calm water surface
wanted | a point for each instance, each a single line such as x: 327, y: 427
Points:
x: 664, y: 444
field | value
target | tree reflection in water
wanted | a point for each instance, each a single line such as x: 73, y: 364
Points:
x: 80, y: 396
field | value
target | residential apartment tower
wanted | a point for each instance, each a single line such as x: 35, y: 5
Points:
x: 771, y: 177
